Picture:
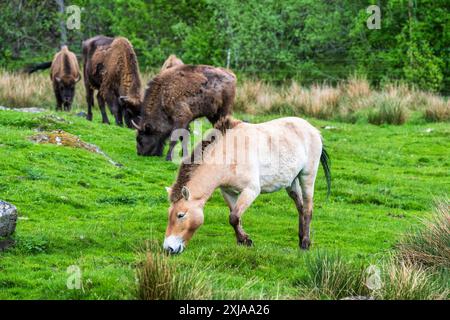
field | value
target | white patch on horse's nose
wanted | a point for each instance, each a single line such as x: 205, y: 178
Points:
x: 173, y: 244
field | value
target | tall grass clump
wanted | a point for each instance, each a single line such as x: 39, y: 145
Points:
x: 159, y: 278
x: 402, y: 280
x: 388, y: 109
x: 437, y: 110
x: 330, y: 277
x: 429, y: 245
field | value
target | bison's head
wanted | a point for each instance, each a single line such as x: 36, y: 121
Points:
x: 149, y: 140
x: 66, y: 89
x: 131, y: 109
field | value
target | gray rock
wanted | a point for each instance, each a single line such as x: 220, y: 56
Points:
x: 8, y: 218
x: 27, y: 110
x: 358, y: 298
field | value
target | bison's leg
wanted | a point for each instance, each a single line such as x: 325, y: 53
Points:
x: 295, y: 193
x: 101, y: 104
x: 244, y: 200
x: 115, y: 108
x: 90, y: 101
x: 58, y: 100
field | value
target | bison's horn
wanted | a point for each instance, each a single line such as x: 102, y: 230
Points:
x: 78, y: 78
x: 135, y: 125
x: 123, y: 99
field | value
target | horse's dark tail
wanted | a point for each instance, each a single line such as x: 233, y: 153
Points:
x: 325, y: 160
x: 41, y: 66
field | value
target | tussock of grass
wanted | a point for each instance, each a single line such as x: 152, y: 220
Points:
x: 430, y: 245
x: 388, y: 109
x: 160, y: 279
x: 406, y: 281
x: 331, y: 277
x: 437, y: 110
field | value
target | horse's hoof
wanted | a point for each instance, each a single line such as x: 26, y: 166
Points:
x: 246, y: 242
x: 306, y: 243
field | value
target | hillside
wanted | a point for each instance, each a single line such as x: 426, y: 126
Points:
x: 77, y: 208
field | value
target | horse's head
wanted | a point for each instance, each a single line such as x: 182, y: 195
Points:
x: 185, y: 217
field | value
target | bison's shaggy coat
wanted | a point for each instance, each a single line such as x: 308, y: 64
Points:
x: 111, y: 67
x: 64, y: 73
x: 172, y: 61
x: 179, y: 95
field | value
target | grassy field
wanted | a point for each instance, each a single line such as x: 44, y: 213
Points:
x: 76, y: 208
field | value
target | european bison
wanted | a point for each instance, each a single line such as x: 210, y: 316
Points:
x: 111, y: 67
x: 64, y: 73
x: 177, y: 96
x: 172, y: 61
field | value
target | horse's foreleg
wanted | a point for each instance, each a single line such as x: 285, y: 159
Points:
x: 244, y: 200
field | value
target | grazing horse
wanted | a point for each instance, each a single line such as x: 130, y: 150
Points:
x: 244, y: 160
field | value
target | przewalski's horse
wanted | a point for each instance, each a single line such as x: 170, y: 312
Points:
x: 243, y: 162
x: 111, y: 67
x: 178, y: 95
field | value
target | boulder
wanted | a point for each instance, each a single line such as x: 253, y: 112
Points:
x: 8, y: 218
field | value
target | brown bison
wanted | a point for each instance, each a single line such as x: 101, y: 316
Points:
x: 172, y: 61
x: 111, y: 67
x: 64, y: 73
x: 177, y: 96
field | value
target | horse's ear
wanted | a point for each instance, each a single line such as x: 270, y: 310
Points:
x: 169, y: 191
x: 185, y: 193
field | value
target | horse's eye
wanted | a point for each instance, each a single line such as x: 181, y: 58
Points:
x: 180, y: 215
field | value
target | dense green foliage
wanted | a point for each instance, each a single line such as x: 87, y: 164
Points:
x: 76, y: 208
x: 304, y: 39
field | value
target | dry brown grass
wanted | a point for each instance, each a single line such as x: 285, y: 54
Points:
x: 351, y: 100
x: 437, y: 109
x: 20, y: 90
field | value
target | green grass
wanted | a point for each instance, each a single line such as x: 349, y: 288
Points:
x: 78, y: 209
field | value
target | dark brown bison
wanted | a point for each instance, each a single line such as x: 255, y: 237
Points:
x: 177, y: 96
x: 64, y: 73
x: 111, y: 67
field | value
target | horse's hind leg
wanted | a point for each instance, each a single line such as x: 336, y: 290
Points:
x: 237, y: 206
x: 307, y: 186
x: 295, y: 193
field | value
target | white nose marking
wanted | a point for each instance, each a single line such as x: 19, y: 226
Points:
x: 173, y: 244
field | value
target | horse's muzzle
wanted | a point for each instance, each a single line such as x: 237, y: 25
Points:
x: 173, y: 244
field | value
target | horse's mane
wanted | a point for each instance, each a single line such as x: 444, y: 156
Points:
x: 187, y: 168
